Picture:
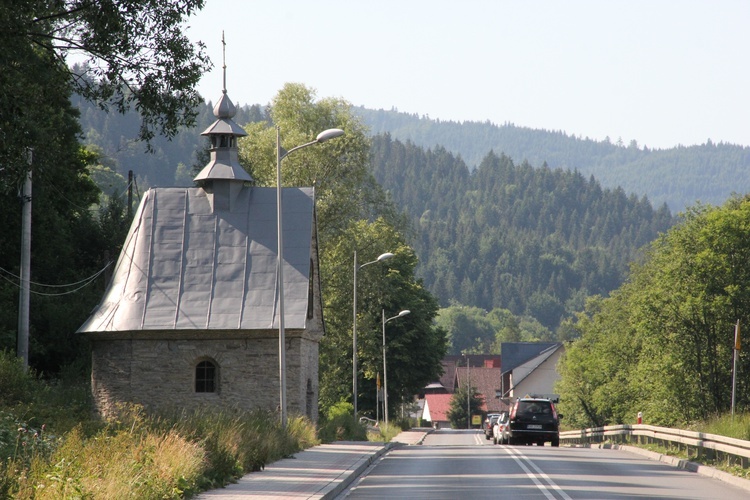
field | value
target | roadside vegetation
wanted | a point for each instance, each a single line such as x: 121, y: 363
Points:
x: 52, y: 446
x: 737, y: 426
x: 338, y: 424
x: 663, y: 344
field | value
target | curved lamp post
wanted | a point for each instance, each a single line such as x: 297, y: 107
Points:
x: 385, y: 376
x: 282, y: 153
x: 380, y: 258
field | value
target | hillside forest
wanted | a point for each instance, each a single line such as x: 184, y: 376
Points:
x: 680, y: 176
x: 526, y: 241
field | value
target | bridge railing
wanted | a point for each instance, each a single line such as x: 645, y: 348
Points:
x: 696, y: 444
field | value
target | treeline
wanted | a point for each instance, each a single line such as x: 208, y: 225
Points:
x: 509, y: 235
x: 668, y: 334
x: 171, y: 162
x: 534, y: 241
x: 678, y: 176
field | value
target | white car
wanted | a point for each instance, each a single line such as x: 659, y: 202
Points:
x: 500, y: 429
x: 489, y: 422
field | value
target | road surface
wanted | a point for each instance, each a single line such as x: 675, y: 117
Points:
x: 463, y: 464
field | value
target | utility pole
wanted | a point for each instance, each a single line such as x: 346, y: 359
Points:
x: 737, y: 349
x: 22, y: 350
x: 130, y: 195
x: 468, y: 394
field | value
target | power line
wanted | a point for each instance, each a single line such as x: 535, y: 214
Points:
x: 84, y: 282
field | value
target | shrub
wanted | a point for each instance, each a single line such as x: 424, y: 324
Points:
x: 342, y: 428
x: 17, y: 385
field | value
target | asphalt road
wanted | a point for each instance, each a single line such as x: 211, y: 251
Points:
x: 464, y: 465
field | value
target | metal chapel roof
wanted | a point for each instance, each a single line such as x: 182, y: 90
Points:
x: 188, y: 265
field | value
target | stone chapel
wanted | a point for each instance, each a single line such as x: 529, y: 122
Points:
x: 191, y: 315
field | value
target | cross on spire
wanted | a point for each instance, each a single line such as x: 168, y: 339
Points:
x: 224, y: 60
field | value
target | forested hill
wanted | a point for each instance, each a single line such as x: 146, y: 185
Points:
x: 535, y: 241
x: 507, y: 234
x: 172, y: 161
x: 679, y: 176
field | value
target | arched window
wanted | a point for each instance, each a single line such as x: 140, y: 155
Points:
x: 206, y: 377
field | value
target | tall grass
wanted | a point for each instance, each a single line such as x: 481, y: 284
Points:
x: 51, y: 447
x: 737, y: 426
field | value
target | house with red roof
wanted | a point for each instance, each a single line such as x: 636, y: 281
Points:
x: 436, y: 407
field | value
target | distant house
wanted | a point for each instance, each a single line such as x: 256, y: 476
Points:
x: 530, y: 368
x: 485, y: 381
x: 435, y: 411
x: 191, y: 315
x: 452, y: 362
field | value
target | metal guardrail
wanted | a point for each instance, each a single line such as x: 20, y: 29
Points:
x: 697, y: 444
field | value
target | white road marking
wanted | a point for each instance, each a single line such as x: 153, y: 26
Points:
x: 520, y: 458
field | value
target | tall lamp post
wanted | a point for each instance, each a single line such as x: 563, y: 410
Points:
x: 468, y: 394
x: 282, y: 153
x: 380, y: 258
x: 385, y: 376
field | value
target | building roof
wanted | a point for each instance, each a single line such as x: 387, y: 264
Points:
x: 515, y: 354
x: 448, y: 378
x: 436, y: 407
x: 205, y: 259
x: 486, y: 360
x: 535, y: 362
x: 486, y: 381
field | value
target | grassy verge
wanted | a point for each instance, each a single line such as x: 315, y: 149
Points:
x: 737, y: 426
x: 384, y: 433
x: 720, y: 464
x: 51, y: 446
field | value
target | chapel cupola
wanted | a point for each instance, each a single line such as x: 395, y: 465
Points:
x: 224, y: 133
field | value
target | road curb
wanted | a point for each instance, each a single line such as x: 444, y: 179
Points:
x: 333, y: 489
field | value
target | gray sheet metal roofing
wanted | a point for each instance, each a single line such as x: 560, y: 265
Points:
x: 185, y: 266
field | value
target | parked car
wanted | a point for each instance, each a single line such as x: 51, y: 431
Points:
x: 488, y: 423
x: 500, y: 429
x: 534, y: 420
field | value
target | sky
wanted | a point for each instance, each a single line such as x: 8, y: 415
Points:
x: 660, y: 72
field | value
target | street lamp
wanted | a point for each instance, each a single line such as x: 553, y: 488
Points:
x: 380, y: 258
x: 385, y: 376
x: 282, y: 153
x: 468, y: 394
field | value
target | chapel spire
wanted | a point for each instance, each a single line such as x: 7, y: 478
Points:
x: 224, y: 133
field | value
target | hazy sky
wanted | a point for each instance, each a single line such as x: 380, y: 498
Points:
x: 662, y: 72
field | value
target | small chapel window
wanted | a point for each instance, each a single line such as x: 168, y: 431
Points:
x: 205, y: 377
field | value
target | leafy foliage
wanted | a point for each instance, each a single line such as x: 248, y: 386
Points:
x: 457, y: 414
x: 62, y: 194
x: 153, y: 74
x: 135, y: 50
x: 663, y: 343
x: 476, y: 331
x: 353, y: 215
